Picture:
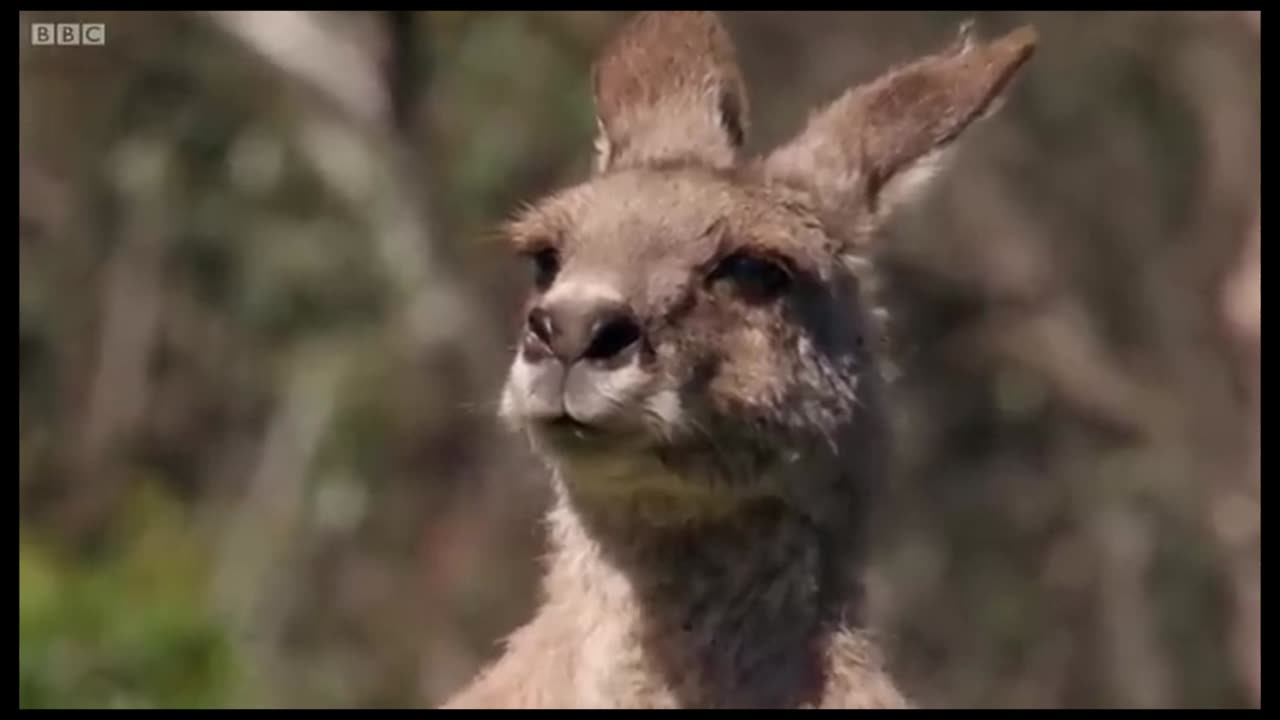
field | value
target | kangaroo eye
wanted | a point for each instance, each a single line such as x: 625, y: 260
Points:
x: 546, y: 263
x: 757, y: 278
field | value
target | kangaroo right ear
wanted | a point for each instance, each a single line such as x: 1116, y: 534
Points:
x: 668, y: 88
x: 881, y: 142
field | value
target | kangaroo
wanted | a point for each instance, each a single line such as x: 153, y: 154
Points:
x: 699, y: 365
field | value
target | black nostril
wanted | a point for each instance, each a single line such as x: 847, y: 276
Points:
x: 612, y: 336
x: 576, y: 327
x: 540, y: 325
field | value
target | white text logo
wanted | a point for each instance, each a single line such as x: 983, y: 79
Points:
x: 68, y: 34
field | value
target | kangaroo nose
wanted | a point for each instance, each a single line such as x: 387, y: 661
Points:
x: 591, y: 329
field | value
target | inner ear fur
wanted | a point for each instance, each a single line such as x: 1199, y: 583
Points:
x: 878, y: 144
x: 668, y: 88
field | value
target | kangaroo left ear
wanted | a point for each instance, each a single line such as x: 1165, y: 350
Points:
x: 879, y: 144
x: 668, y: 87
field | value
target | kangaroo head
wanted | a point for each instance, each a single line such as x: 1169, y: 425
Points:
x: 698, y: 318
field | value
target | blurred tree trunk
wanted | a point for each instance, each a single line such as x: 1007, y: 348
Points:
x: 128, y: 327
x: 1235, y: 506
x: 378, y: 89
x: 1238, y: 507
x: 404, y: 86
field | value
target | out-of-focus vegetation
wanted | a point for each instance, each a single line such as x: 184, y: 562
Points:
x: 130, y: 629
x: 263, y: 317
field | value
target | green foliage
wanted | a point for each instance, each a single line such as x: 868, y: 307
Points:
x: 124, y: 630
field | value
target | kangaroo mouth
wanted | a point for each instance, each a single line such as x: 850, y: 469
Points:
x: 568, y: 431
x: 568, y: 436
x: 568, y: 424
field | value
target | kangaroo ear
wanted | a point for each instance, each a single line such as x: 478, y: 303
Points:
x: 668, y: 88
x: 878, y: 144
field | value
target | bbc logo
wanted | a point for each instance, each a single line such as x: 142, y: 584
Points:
x: 68, y: 34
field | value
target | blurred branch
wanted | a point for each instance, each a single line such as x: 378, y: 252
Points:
x: 1139, y: 674
x: 128, y: 327
x: 372, y: 161
x: 403, y: 82
x: 387, y: 187
x: 296, y: 43
x: 1242, y: 302
x: 44, y: 207
x: 1055, y: 341
x: 261, y: 535
x: 1236, y: 507
x: 1038, y: 320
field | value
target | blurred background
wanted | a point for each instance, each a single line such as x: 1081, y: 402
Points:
x: 264, y: 316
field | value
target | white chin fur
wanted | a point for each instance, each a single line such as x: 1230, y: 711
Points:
x: 621, y: 394
x: 510, y: 407
x: 664, y: 406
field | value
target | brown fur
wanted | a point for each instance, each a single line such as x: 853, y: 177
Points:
x: 699, y: 370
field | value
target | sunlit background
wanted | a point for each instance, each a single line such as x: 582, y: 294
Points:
x: 264, y: 314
